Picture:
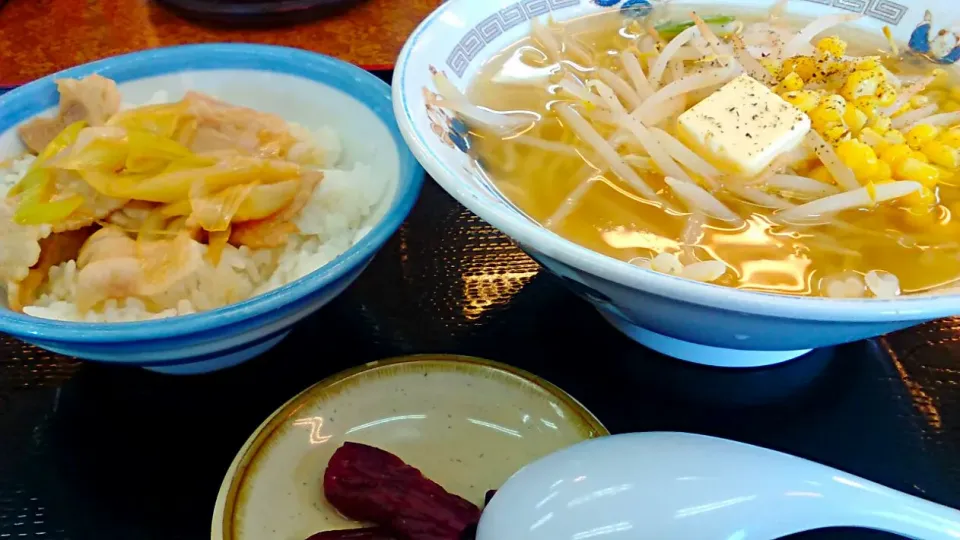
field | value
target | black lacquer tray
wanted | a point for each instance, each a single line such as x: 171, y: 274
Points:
x: 97, y: 452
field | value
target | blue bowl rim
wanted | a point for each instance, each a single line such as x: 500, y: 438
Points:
x: 343, y: 76
x: 912, y: 308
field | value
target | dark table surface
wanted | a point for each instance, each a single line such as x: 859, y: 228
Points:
x: 90, y: 451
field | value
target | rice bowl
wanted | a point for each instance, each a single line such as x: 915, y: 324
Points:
x: 367, y: 194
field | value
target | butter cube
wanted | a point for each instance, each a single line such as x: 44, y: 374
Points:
x: 743, y: 126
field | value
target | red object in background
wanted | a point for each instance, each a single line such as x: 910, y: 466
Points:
x: 368, y: 484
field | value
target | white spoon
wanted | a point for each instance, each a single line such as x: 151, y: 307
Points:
x: 667, y: 486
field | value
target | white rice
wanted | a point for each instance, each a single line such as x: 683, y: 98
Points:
x: 338, y: 214
x: 10, y: 175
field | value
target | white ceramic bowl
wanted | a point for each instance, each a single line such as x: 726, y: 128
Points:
x: 694, y: 321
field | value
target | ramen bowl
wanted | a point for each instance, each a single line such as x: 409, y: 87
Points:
x: 689, y: 320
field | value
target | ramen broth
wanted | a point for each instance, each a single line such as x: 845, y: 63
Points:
x: 913, y: 239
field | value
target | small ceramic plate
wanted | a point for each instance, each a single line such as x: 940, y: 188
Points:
x: 466, y: 423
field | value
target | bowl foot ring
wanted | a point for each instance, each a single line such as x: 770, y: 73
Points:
x: 696, y: 353
x: 220, y: 362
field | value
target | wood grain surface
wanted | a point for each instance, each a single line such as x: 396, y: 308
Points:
x: 39, y: 37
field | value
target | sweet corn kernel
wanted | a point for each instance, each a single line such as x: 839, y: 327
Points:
x: 928, y: 196
x: 827, y: 68
x: 949, y: 176
x: 921, y: 134
x: 881, y: 124
x: 884, y: 173
x: 918, y: 171
x: 886, y: 94
x: 951, y: 138
x: 859, y: 157
x: 821, y: 122
x: 855, y: 119
x: 832, y: 45
x: 895, y: 153
x: 804, y: 66
x: 950, y: 106
x: 868, y: 62
x: 921, y: 200
x: 772, y: 66
x: 941, y: 154
x: 831, y: 109
x: 822, y: 127
x: 805, y: 100
x: 822, y: 174
x: 835, y: 132
x: 862, y: 83
x: 790, y: 83
x: 869, y: 105
x: 919, y: 214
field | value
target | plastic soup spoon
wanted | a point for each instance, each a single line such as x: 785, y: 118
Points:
x: 667, y: 486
